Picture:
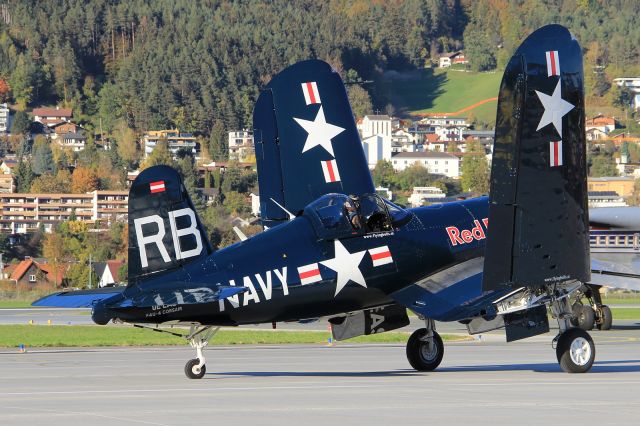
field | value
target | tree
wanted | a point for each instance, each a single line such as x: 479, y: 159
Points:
x: 218, y: 142
x: 5, y: 91
x: 127, y: 144
x: 24, y: 176
x: 159, y: 155
x: 49, y: 183
x: 602, y: 165
x: 84, y: 180
x: 475, y: 169
x: 479, y: 49
x: 383, y: 174
x: 234, y: 202
x: 360, y: 100
x: 42, y: 157
x: 21, y: 123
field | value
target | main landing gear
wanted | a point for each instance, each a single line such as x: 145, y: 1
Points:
x: 592, y: 313
x: 198, y: 338
x: 575, y: 349
x: 425, y: 348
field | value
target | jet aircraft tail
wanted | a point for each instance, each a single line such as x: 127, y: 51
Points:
x: 538, y: 216
x: 164, y: 229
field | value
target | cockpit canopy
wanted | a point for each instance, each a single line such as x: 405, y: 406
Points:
x: 340, y: 215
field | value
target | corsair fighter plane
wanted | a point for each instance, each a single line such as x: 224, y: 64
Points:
x: 336, y: 250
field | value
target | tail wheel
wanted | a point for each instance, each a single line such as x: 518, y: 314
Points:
x: 424, y: 354
x: 192, y: 370
x: 586, y: 317
x: 606, y: 318
x: 575, y: 351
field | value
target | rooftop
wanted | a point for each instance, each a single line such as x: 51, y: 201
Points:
x: 426, y: 154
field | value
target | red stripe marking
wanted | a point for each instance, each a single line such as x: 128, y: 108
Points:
x: 555, y: 153
x: 157, y: 186
x: 312, y: 96
x: 332, y: 175
x: 381, y: 255
x: 309, y: 274
x: 552, y: 57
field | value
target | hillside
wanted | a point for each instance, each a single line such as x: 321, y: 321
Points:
x: 431, y: 91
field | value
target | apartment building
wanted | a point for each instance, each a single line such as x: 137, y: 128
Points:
x: 175, y: 141
x: 24, y: 213
x: 241, y: 145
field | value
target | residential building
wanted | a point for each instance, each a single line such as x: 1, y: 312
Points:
x: 74, y: 141
x: 623, y: 186
x: 241, y: 145
x: 62, y: 128
x: 22, y: 213
x: 107, y: 273
x: 7, y: 184
x: 8, y: 165
x: 436, y: 162
x: 422, y: 194
x: 32, y: 272
x: 447, y: 59
x: 633, y: 83
x: 602, y: 123
x: 605, y: 199
x: 625, y: 168
x: 52, y: 116
x: 175, y: 141
x: 384, y: 192
x: 4, y: 118
x: 594, y: 134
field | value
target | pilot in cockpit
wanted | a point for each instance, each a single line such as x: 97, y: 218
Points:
x: 352, y: 208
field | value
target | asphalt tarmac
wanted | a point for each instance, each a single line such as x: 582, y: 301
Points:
x: 479, y: 382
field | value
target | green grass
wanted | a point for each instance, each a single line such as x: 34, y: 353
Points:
x: 83, y: 336
x: 625, y: 313
x: 621, y: 301
x: 14, y: 303
x: 429, y: 90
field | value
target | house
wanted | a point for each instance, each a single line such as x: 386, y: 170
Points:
x: 7, y: 184
x: 433, y: 142
x: 602, y: 123
x: 76, y: 141
x: 447, y: 59
x: 241, y: 145
x: 384, y: 192
x: 108, y: 273
x: 175, y: 141
x: 33, y: 272
x: 422, y: 194
x: 605, y: 199
x: 633, y: 83
x: 62, y: 128
x: 4, y: 118
x: 8, y: 166
x: 52, y: 116
x: 623, y: 186
x: 436, y: 162
x: 595, y: 134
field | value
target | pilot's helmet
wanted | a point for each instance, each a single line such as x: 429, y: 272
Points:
x: 354, y: 200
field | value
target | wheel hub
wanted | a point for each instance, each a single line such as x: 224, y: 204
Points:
x: 428, y: 351
x: 580, y: 351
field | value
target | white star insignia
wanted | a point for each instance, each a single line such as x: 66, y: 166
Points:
x: 554, y: 109
x: 319, y: 132
x: 346, y: 266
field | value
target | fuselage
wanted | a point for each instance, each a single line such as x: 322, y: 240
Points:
x: 299, y: 270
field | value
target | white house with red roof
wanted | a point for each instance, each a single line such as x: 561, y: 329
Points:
x: 52, y: 116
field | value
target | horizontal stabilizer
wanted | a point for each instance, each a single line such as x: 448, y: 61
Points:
x: 615, y: 274
x: 79, y: 298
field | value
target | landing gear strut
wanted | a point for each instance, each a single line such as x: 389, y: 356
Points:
x: 198, y: 338
x: 575, y: 349
x: 425, y: 348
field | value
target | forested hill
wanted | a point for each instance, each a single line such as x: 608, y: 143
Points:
x: 198, y: 65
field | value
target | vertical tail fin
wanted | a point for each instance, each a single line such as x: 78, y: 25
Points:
x: 164, y: 229
x: 538, y: 216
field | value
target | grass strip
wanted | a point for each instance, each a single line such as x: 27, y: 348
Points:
x: 84, y: 336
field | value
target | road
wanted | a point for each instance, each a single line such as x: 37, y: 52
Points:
x: 479, y: 382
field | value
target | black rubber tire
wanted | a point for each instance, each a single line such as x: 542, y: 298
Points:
x: 586, y: 318
x: 416, y: 351
x: 607, y: 318
x: 563, y: 351
x: 189, y: 369
x: 576, y: 309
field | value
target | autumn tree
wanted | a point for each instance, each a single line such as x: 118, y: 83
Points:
x: 84, y: 180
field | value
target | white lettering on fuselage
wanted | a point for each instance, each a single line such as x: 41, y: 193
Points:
x: 264, y: 283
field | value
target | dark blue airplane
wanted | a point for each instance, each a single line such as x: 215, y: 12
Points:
x: 334, y: 249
